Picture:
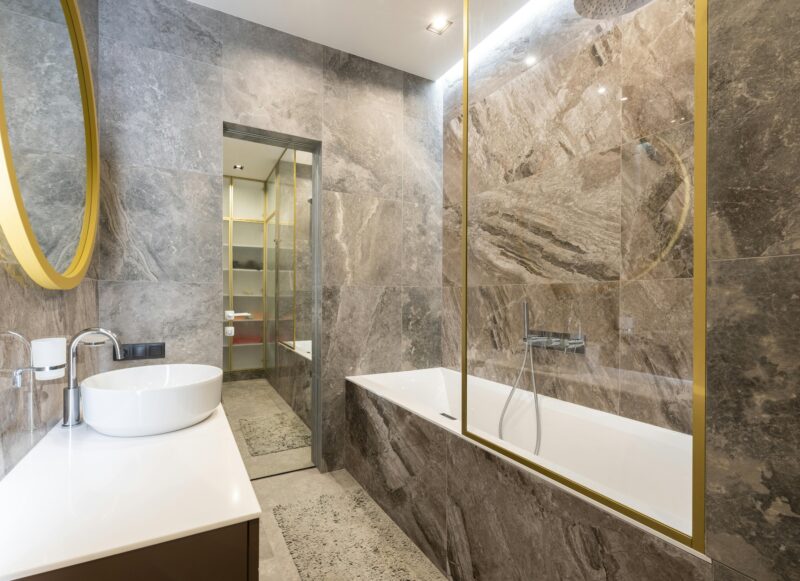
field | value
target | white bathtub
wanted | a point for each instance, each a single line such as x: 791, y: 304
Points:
x: 645, y: 467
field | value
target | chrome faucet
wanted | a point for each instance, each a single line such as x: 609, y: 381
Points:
x: 72, y: 393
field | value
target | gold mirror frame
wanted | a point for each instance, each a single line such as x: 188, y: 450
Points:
x: 14, y: 219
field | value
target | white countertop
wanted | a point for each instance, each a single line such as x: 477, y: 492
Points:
x: 80, y: 495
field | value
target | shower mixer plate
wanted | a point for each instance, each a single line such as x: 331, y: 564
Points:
x: 554, y: 341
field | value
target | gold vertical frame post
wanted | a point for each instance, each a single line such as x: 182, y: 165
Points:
x: 700, y: 282
x: 230, y: 268
x: 697, y: 539
x: 294, y: 249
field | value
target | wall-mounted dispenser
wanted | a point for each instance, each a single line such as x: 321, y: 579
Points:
x: 49, y: 358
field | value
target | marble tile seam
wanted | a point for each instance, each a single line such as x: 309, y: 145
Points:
x: 762, y: 257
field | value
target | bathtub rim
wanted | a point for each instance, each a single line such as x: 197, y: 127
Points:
x: 454, y: 427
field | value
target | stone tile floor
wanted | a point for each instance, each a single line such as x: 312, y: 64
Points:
x: 325, y: 527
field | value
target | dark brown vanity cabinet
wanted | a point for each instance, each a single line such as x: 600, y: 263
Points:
x: 226, y: 554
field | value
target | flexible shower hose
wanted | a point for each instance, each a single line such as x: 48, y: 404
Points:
x: 528, y: 350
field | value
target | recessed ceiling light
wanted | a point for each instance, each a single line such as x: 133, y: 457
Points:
x: 530, y: 60
x: 439, y: 25
x: 238, y: 166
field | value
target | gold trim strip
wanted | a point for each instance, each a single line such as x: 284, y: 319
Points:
x: 697, y: 539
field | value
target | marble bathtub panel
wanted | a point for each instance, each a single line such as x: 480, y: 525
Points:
x: 25, y: 416
x: 363, y: 149
x: 272, y: 80
x: 159, y: 224
x: 422, y: 327
x: 564, y: 107
x: 159, y: 110
x: 752, y: 497
x: 422, y: 245
x: 422, y: 161
x: 184, y: 315
x: 753, y: 130
x: 658, y: 55
x: 562, y: 225
x: 362, y: 82
x: 360, y: 334
x: 294, y: 382
x: 408, y: 481
x: 590, y: 379
x: 490, y: 501
x: 178, y: 27
x: 362, y: 239
x: 657, y: 205
x: 422, y: 99
x: 656, y: 349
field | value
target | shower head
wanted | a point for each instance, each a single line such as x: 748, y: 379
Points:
x: 600, y: 9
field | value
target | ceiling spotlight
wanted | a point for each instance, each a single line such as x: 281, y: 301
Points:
x: 238, y: 166
x: 530, y: 60
x: 439, y: 25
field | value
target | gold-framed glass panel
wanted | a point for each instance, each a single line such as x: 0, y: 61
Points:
x: 49, y: 178
x: 576, y: 247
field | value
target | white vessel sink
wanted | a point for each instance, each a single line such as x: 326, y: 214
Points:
x: 152, y: 399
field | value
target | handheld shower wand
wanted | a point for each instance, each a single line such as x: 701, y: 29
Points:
x: 527, y: 339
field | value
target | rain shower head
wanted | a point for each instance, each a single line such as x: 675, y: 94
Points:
x: 600, y: 9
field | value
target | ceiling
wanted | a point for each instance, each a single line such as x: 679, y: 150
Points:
x: 391, y: 32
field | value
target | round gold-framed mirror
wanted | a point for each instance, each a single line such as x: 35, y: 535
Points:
x: 52, y: 241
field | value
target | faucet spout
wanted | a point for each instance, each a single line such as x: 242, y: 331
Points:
x: 72, y: 393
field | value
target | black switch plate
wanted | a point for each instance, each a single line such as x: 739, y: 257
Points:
x: 135, y: 351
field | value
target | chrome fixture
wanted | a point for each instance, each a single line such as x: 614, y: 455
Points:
x: 16, y: 380
x: 72, y: 393
x: 530, y: 340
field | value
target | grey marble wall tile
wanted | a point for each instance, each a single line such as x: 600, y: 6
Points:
x: 272, y: 80
x: 422, y: 245
x: 399, y: 458
x: 530, y: 110
x: 178, y: 27
x: 359, y: 335
x: 362, y: 239
x: 422, y: 327
x: 422, y: 99
x: 753, y: 139
x: 362, y: 82
x: 160, y: 224
x: 452, y: 246
x: 590, y: 379
x: 159, y: 110
x: 723, y: 573
x: 657, y: 205
x: 560, y: 225
x: 658, y: 54
x: 422, y: 161
x: 451, y: 327
x: 363, y: 149
x: 45, y: 9
x: 492, y: 501
x: 25, y: 416
x: 752, y: 498
x: 184, y: 315
x: 494, y: 343
x: 656, y: 349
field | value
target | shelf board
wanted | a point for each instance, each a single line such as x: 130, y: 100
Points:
x: 248, y: 344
